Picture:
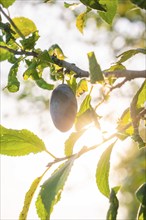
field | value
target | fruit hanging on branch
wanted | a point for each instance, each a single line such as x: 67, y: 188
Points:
x: 63, y: 107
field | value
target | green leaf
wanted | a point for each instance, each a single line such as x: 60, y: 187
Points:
x: 70, y: 142
x: 41, y: 82
x: 94, y: 4
x: 7, y: 3
x: 141, y: 215
x: 111, y: 9
x: 123, y: 121
x: 102, y: 171
x: 81, y: 87
x: 135, y: 107
x: 51, y: 190
x: 80, y: 21
x: 139, y: 3
x: 85, y: 105
x: 129, y: 53
x: 72, y: 82
x: 95, y: 70
x: 140, y: 96
x: 13, y: 83
x: 141, y: 194
x: 28, y: 198
x: 45, y: 57
x: 4, y: 54
x: 29, y: 43
x: 19, y: 142
x: 25, y: 25
x: 114, y: 205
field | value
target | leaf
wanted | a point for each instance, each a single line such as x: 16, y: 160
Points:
x: 94, y: 4
x: 45, y: 57
x: 70, y: 142
x: 141, y: 215
x: 7, y: 3
x: 123, y: 121
x: 72, y: 84
x: 72, y: 5
x: 139, y: 3
x: 29, y: 43
x: 135, y: 107
x: 141, y: 194
x: 80, y: 21
x: 102, y: 171
x: 51, y: 190
x: 41, y: 82
x: 41, y: 211
x: 25, y: 25
x: 13, y: 83
x: 95, y: 70
x: 28, y: 198
x: 111, y: 9
x: 81, y: 87
x: 129, y: 53
x: 55, y: 50
x: 140, y: 96
x: 19, y: 142
x: 4, y: 54
x: 85, y: 105
x: 114, y: 205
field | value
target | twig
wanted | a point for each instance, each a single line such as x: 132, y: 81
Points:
x: 20, y: 52
x: 86, y: 149
x: 119, y: 84
x: 13, y: 24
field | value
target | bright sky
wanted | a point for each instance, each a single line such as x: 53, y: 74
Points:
x: 80, y: 199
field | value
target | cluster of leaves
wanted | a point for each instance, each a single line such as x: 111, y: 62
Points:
x: 106, y: 10
x: 18, y: 44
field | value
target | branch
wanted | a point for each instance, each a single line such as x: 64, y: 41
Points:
x: 71, y: 67
x: 128, y: 74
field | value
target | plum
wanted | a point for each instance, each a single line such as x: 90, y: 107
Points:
x: 63, y: 107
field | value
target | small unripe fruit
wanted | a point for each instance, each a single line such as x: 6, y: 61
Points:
x: 63, y: 107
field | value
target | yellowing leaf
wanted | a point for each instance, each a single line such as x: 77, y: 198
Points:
x: 28, y: 198
x: 25, y: 25
x: 19, y: 142
x: 80, y: 21
x: 81, y: 87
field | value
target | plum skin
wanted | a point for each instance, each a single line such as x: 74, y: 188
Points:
x: 63, y: 107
